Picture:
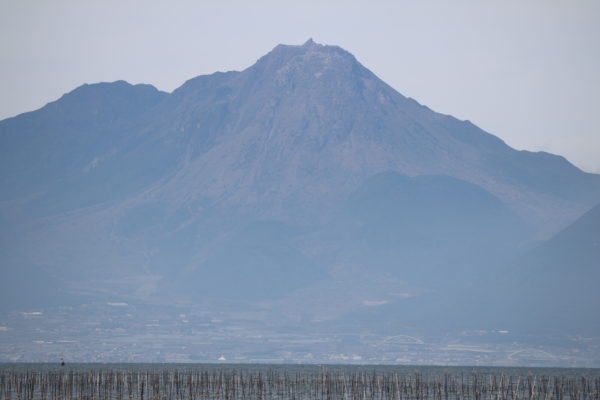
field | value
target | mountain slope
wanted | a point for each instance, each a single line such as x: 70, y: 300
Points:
x: 436, y: 227
x: 576, y: 247
x: 267, y: 185
x: 69, y: 136
x: 310, y: 119
x: 555, y: 284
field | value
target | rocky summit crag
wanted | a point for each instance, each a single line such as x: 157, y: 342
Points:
x: 302, y: 186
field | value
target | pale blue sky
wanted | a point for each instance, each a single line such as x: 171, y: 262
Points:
x: 526, y: 71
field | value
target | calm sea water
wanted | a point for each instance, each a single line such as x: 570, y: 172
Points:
x: 308, y: 368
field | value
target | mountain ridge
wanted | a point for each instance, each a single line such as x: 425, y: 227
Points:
x: 138, y: 194
x: 222, y: 114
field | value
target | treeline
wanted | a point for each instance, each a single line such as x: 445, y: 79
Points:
x: 248, y: 384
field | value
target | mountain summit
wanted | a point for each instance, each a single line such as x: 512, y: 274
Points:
x: 305, y: 125
x: 301, y: 181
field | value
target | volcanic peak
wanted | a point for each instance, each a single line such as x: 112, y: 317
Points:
x: 311, y: 56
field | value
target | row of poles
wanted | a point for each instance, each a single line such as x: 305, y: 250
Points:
x: 248, y: 384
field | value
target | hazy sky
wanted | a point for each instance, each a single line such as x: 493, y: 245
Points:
x: 526, y: 71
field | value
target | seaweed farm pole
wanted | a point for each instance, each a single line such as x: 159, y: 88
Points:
x: 228, y: 384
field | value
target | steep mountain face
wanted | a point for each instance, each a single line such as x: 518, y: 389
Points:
x: 300, y: 176
x: 302, y: 127
x: 307, y: 124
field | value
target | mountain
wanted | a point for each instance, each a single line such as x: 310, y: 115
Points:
x: 414, y: 251
x: 310, y: 119
x: 60, y: 142
x: 557, y: 280
x: 303, y: 187
x: 576, y: 247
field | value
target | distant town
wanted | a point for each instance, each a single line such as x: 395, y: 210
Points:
x: 119, y: 332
